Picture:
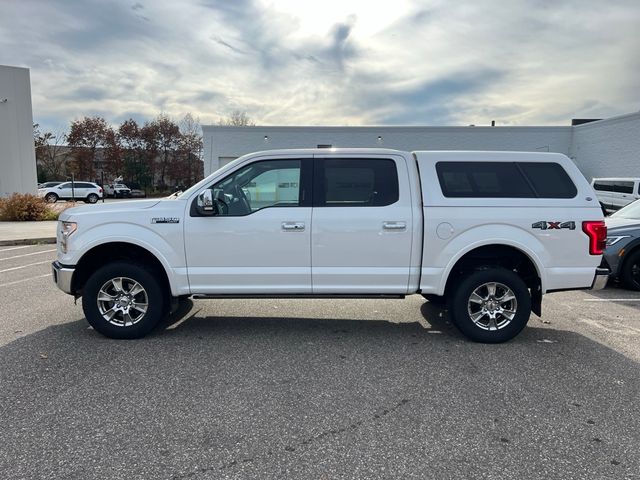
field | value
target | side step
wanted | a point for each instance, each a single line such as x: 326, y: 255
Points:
x: 300, y: 296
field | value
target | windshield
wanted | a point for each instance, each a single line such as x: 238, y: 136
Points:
x: 630, y: 211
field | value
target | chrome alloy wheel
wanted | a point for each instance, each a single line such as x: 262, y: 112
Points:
x: 122, y: 301
x: 492, y: 306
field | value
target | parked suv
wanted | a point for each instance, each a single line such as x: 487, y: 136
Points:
x: 623, y: 245
x: 87, y: 191
x: 615, y: 193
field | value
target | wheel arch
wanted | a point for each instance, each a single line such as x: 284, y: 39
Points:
x: 501, y: 254
x: 106, y: 252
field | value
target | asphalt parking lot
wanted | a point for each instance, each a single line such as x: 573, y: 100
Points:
x: 314, y: 389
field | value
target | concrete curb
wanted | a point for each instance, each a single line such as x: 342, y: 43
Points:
x: 28, y: 241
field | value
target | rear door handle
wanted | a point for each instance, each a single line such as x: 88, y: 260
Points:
x: 394, y: 225
x: 293, y: 226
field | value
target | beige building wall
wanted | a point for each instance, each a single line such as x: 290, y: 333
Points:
x: 17, y: 153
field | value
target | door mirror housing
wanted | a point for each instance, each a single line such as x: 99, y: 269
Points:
x: 204, y: 203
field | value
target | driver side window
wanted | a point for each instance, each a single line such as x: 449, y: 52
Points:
x: 271, y: 183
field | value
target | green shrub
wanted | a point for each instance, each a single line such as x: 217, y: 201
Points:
x: 19, y: 207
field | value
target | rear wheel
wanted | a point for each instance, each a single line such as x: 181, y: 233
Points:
x: 491, y: 306
x: 92, y: 198
x: 123, y: 300
x: 631, y: 271
x: 51, y: 198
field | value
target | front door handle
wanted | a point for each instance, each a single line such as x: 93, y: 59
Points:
x: 394, y: 225
x: 293, y: 226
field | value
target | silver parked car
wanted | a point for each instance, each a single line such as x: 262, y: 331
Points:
x: 623, y: 245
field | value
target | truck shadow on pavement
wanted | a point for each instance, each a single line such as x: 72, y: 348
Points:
x: 255, y: 397
x: 434, y: 319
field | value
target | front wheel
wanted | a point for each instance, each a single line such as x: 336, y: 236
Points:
x: 123, y: 300
x: 631, y: 271
x: 491, y: 306
x: 51, y: 198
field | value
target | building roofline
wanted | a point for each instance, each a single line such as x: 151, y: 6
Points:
x: 378, y: 127
x: 616, y: 119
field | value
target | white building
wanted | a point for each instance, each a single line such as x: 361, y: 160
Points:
x: 17, y: 152
x: 609, y: 147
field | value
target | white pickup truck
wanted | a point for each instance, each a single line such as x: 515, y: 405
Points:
x: 487, y: 232
x: 117, y: 190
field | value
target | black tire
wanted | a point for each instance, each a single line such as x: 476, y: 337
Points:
x: 460, y: 305
x: 51, y: 197
x: 435, y: 299
x: 631, y: 271
x: 132, y: 273
x: 92, y: 198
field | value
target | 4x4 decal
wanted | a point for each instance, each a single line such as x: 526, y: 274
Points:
x: 554, y: 225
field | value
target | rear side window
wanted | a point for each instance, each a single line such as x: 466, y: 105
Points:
x: 504, y: 180
x: 355, y: 183
x: 549, y: 180
x: 482, y: 179
x: 603, y: 186
x: 623, y: 187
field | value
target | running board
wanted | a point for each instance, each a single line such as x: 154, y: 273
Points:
x: 299, y: 296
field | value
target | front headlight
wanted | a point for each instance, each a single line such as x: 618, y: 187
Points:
x: 67, y: 229
x: 615, y: 239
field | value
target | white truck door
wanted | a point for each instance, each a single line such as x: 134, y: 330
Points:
x: 362, y: 225
x: 259, y: 242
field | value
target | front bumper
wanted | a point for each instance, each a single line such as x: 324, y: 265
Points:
x: 600, y: 279
x: 62, y: 276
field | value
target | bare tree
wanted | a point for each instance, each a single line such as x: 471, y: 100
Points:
x: 237, y: 118
x: 113, y: 154
x: 135, y: 149
x: 51, y: 153
x: 167, y: 141
x: 190, y: 150
x: 85, y: 137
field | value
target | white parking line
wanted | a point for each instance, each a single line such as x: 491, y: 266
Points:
x: 24, y: 266
x: 24, y: 280
x: 16, y: 248
x: 612, y: 299
x: 28, y: 254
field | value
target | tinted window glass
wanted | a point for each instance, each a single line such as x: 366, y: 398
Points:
x: 482, y: 179
x: 623, y: 187
x: 603, y: 186
x: 65, y: 185
x: 356, y: 183
x: 549, y: 180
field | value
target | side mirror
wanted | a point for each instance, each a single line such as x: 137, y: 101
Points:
x: 204, y: 203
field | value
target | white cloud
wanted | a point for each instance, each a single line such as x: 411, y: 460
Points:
x: 328, y: 62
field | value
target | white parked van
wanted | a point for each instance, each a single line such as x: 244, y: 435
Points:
x: 615, y: 193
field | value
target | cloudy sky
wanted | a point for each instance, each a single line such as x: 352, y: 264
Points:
x: 329, y: 62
